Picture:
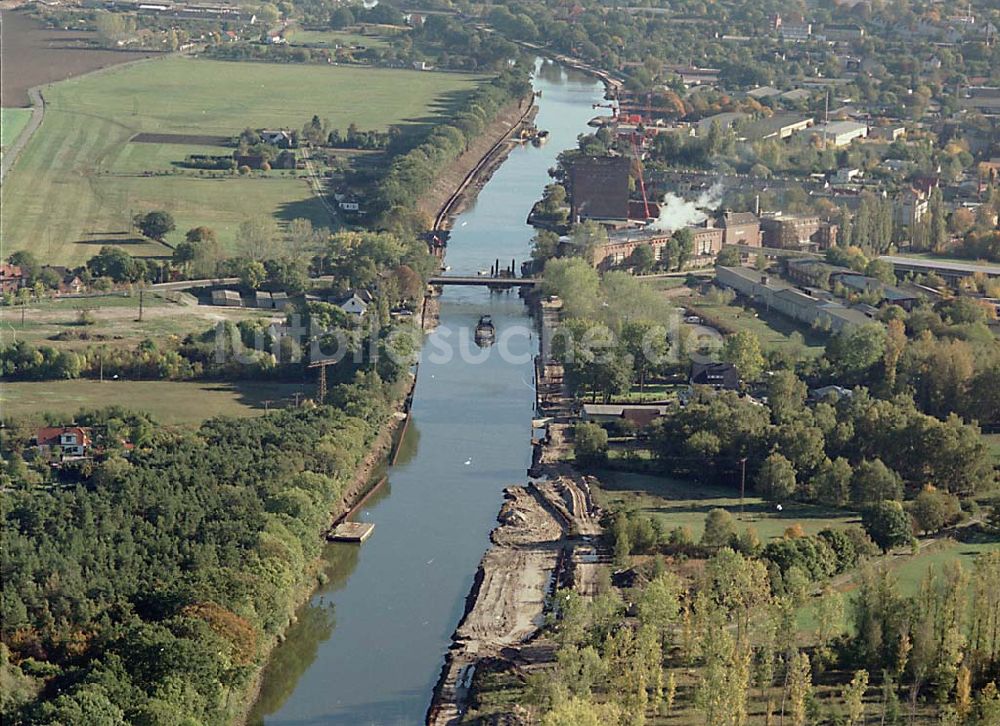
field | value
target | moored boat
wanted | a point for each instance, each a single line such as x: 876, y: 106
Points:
x: 485, y: 331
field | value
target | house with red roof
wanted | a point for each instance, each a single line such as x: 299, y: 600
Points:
x: 63, y: 441
x: 11, y: 278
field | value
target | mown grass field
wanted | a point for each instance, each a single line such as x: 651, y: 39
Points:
x: 79, y: 181
x: 169, y: 402
x: 12, y: 122
x: 772, y: 328
x: 679, y: 503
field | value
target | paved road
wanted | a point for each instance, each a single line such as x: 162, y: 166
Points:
x: 37, y: 112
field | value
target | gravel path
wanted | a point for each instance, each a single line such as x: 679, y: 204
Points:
x: 37, y: 113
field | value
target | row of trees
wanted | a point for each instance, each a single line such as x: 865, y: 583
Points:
x: 740, y: 640
x: 410, y: 175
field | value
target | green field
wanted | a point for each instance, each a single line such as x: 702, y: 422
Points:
x: 993, y: 441
x: 79, y: 180
x: 169, y: 402
x: 12, y: 121
x: 679, y: 503
x: 115, y: 320
x: 772, y: 328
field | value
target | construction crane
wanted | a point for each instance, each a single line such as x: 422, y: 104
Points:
x: 635, y: 137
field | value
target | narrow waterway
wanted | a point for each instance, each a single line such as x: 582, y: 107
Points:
x: 369, y: 646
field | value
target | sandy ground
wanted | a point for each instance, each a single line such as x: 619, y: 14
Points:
x: 541, y: 529
x: 449, y: 180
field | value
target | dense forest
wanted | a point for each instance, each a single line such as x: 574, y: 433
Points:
x: 146, y: 590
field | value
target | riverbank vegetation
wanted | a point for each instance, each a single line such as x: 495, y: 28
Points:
x: 147, y: 587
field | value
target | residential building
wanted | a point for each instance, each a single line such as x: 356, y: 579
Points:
x: 845, y: 175
x: 824, y: 392
x: 11, y: 278
x: 62, y: 441
x: 720, y: 376
x: 263, y: 300
x: 909, y: 208
x: 355, y: 303
x: 280, y: 300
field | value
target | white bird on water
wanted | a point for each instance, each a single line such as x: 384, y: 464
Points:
x: 468, y: 462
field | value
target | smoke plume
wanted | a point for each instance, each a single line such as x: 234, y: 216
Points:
x: 677, y: 212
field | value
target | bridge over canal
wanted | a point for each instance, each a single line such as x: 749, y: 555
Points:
x: 484, y: 280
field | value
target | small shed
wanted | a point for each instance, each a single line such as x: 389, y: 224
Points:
x: 280, y: 300
x: 229, y: 298
x: 263, y: 299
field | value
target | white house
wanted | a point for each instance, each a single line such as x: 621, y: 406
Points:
x: 356, y: 302
x: 67, y: 441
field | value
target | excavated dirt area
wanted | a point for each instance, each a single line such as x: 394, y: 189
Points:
x: 546, y: 529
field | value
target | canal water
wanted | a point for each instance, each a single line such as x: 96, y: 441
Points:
x: 369, y: 646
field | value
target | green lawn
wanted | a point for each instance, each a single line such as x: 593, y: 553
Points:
x: 682, y: 503
x: 77, y: 182
x: 772, y: 328
x: 993, y: 441
x: 651, y: 392
x: 115, y: 320
x: 12, y: 121
x: 168, y: 401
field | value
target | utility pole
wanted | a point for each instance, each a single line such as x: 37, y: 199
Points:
x: 140, y: 305
x: 743, y: 483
